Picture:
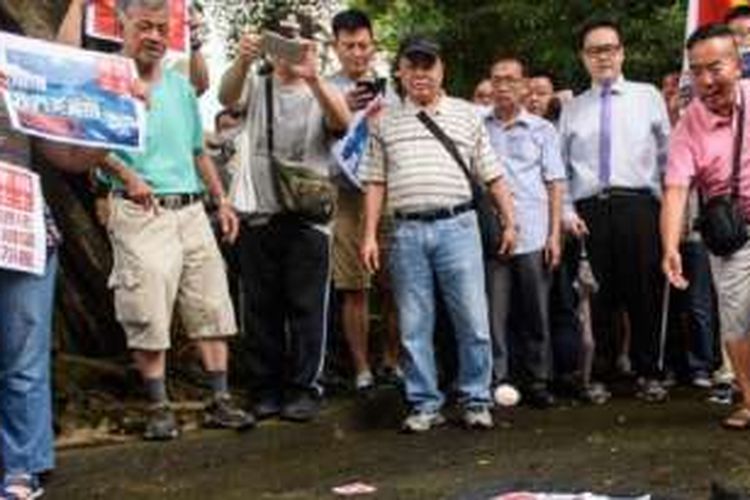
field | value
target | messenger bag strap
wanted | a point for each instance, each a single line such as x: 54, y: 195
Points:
x: 738, y: 141
x: 269, y: 113
x: 446, y: 141
x: 270, y: 118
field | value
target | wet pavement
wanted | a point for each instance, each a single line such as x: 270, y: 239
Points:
x: 671, y: 450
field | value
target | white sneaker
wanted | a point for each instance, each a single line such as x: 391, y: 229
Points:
x: 421, y: 421
x: 478, y: 418
x: 364, y: 381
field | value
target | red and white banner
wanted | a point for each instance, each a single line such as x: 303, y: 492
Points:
x: 23, y: 238
x: 101, y: 22
x: 702, y: 12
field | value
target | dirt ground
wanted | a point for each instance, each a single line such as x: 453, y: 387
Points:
x: 673, y: 450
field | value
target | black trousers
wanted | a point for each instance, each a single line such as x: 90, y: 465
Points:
x: 624, y: 250
x: 286, y: 273
x: 524, y: 282
x: 564, y: 323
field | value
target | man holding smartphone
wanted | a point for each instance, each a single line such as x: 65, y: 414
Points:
x: 355, y: 48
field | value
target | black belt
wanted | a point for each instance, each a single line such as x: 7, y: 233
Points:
x: 169, y: 201
x: 436, y: 214
x: 620, y: 192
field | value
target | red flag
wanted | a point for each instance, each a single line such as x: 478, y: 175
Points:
x: 702, y: 12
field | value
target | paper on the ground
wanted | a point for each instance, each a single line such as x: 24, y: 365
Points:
x: 525, y: 495
x: 352, y: 489
x: 71, y: 95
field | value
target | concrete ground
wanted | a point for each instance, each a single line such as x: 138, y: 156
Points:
x: 673, y: 450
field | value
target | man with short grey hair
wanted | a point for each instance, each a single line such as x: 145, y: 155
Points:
x: 165, y: 254
x: 436, y: 241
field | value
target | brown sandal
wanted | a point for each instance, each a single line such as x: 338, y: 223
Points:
x: 738, y: 420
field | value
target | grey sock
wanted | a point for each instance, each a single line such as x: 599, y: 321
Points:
x: 217, y: 381
x: 156, y: 389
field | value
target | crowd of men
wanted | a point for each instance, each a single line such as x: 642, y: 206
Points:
x: 515, y: 245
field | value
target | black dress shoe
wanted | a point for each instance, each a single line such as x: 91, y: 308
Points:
x: 267, y: 407
x: 540, y: 398
x: 303, y: 407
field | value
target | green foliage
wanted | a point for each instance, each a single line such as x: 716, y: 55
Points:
x: 233, y: 17
x: 542, y: 32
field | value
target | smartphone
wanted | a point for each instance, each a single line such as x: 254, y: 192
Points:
x: 282, y: 47
x: 374, y: 87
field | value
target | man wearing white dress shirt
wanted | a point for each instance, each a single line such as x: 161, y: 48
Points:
x: 614, y: 142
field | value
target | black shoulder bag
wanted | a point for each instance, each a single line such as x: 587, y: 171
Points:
x: 300, y: 190
x: 489, y: 224
x: 721, y: 222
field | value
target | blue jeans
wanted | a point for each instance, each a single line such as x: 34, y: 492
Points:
x: 449, y: 251
x: 26, y: 438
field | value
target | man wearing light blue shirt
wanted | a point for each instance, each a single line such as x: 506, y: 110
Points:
x: 614, y: 143
x: 530, y: 150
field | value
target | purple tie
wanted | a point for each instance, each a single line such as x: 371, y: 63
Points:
x: 605, y: 135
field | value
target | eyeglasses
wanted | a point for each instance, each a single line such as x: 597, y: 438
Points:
x: 607, y: 50
x: 498, y: 81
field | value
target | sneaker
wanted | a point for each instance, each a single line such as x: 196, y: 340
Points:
x: 222, y: 413
x: 21, y: 487
x: 390, y: 376
x: 478, y: 418
x: 652, y: 391
x: 364, y: 381
x: 422, y: 421
x: 623, y: 364
x: 722, y: 394
x: 161, y: 424
x: 701, y: 380
x: 302, y: 408
x: 595, y: 393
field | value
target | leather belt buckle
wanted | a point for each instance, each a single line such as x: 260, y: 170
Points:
x: 176, y: 201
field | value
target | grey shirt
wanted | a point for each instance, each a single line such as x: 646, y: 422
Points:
x: 300, y: 135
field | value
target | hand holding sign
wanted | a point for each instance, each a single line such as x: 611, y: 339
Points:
x: 71, y: 95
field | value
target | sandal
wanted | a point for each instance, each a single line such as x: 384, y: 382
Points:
x: 738, y: 420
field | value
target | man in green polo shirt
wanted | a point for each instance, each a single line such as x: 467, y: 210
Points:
x: 165, y: 255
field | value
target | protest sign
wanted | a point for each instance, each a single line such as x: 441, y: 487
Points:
x: 23, y: 243
x: 101, y: 22
x: 350, y: 149
x: 71, y: 95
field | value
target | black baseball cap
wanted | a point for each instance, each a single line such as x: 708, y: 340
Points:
x: 419, y: 47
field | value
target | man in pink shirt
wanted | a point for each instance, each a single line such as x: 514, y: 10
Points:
x: 701, y: 151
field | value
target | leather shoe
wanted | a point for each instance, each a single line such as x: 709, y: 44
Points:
x: 540, y: 398
x: 303, y: 407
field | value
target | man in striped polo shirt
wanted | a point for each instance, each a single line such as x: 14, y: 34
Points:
x: 436, y: 237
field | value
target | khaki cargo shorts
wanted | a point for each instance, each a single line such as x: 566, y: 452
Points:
x: 165, y: 258
x: 731, y: 277
x: 348, y: 271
